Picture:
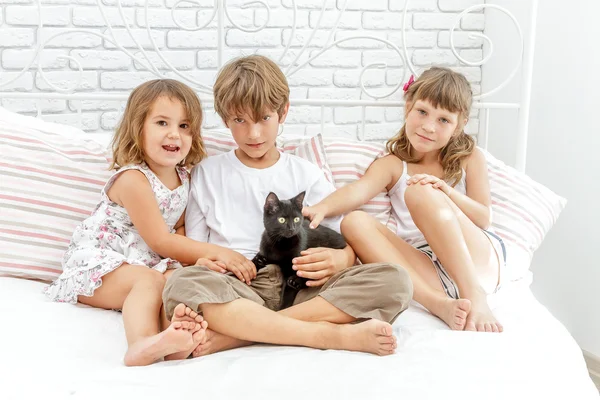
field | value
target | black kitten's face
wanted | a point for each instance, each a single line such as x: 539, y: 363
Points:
x: 283, y: 218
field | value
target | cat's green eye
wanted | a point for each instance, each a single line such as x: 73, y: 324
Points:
x: 296, y: 219
x: 281, y: 220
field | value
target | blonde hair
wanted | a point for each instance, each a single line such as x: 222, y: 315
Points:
x: 451, y: 91
x: 127, y: 143
x: 251, y: 84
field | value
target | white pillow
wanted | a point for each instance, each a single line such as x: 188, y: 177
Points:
x: 51, y: 180
x: 523, y: 210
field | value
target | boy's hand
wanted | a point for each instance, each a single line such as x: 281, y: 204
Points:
x: 316, y: 214
x: 241, y: 267
x: 217, y: 266
x: 319, y: 264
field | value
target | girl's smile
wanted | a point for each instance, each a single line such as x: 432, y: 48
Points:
x: 424, y: 138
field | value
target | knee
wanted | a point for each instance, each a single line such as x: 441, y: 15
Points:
x: 177, y: 277
x: 418, y: 195
x: 187, y: 280
x: 176, y: 289
x: 153, y: 280
x: 354, y: 222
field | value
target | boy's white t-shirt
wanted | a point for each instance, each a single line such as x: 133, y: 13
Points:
x: 227, y: 198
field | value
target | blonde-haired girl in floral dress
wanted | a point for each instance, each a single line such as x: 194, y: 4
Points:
x: 118, y: 257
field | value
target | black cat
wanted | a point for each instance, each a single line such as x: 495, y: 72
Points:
x: 286, y: 234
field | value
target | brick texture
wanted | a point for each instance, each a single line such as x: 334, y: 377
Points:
x: 114, y: 53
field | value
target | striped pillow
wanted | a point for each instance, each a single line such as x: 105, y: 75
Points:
x: 348, y: 161
x: 51, y: 180
x: 310, y: 149
x: 523, y: 209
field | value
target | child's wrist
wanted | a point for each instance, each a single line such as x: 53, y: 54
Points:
x: 214, y: 251
x: 449, y: 192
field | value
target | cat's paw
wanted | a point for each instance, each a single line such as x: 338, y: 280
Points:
x: 296, y: 283
x: 260, y: 261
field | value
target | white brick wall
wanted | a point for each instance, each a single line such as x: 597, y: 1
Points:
x: 333, y: 75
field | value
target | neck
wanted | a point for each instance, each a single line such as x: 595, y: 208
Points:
x: 429, y: 158
x: 165, y: 174
x: 269, y: 159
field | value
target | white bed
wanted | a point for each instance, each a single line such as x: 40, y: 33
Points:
x: 59, y: 351
x: 63, y: 351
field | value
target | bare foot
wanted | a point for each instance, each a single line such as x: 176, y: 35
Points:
x: 181, y: 313
x: 481, y: 318
x: 372, y: 336
x: 184, y: 313
x: 216, y: 342
x: 177, y: 337
x: 453, y: 312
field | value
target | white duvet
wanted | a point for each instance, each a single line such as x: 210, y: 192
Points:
x: 61, y: 351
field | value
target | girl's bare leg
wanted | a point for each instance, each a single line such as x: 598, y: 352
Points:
x: 137, y: 290
x: 463, y: 249
x: 372, y: 242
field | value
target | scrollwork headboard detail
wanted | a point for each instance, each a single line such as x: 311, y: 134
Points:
x: 345, y: 60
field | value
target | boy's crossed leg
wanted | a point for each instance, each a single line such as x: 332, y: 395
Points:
x: 314, y: 310
x: 239, y: 318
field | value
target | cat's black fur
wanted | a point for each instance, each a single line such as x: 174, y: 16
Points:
x: 282, y: 242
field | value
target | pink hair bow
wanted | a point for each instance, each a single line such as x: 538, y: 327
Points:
x: 411, y: 80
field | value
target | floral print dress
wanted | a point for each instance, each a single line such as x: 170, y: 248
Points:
x: 107, y: 239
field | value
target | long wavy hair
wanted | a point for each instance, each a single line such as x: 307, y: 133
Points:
x: 127, y: 143
x: 451, y: 91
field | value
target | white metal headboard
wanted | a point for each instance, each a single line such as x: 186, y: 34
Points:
x: 221, y: 13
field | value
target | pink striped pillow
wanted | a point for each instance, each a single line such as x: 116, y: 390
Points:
x: 348, y: 161
x: 523, y: 209
x: 51, y: 180
x: 310, y: 149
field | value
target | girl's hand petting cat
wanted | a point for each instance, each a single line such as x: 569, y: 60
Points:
x: 434, y: 181
x: 239, y: 265
x: 217, y: 266
x: 316, y: 214
x: 319, y: 264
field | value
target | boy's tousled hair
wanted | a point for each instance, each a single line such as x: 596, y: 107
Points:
x: 451, y: 91
x: 127, y: 143
x: 252, y: 84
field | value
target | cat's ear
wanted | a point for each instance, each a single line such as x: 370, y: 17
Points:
x: 299, y: 199
x: 272, y: 203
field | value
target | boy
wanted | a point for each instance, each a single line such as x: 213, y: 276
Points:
x: 226, y: 207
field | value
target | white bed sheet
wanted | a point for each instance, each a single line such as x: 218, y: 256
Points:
x: 75, y: 352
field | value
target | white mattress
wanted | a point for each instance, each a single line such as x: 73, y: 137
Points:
x: 65, y: 351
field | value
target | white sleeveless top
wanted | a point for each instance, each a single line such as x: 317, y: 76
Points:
x: 407, y: 230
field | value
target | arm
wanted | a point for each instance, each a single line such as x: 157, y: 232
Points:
x: 378, y: 176
x: 132, y: 191
x: 214, y: 265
